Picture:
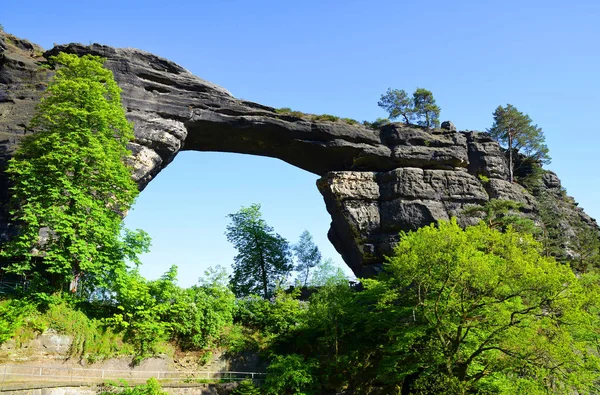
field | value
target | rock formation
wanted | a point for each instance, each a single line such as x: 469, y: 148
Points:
x: 375, y: 182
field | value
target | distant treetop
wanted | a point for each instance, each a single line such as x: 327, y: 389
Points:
x: 421, y: 108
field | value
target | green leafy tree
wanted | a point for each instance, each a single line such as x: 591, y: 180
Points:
x: 481, y: 311
x: 71, y: 186
x: 307, y: 255
x: 517, y: 132
x: 398, y: 104
x: 425, y: 109
x: 263, y: 259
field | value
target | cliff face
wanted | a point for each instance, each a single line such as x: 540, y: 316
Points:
x: 375, y: 182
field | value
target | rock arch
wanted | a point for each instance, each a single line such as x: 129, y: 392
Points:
x: 375, y: 183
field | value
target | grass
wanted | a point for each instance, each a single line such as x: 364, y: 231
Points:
x: 92, y: 341
x: 315, y: 117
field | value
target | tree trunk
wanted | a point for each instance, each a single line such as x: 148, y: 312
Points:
x: 306, y: 276
x: 510, y: 157
x: 263, y: 269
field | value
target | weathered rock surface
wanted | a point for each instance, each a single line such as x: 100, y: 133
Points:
x: 375, y: 182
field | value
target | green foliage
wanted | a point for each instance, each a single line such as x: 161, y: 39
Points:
x: 420, y: 108
x: 307, y: 255
x: 246, y: 387
x: 484, y: 179
x: 500, y: 214
x: 377, y: 124
x: 151, y: 312
x: 263, y: 258
x: 92, y: 341
x: 152, y: 387
x: 70, y: 184
x: 517, y: 132
x: 326, y: 272
x: 291, y: 375
x: 22, y: 320
x: 425, y: 109
x: 271, y: 317
x: 1, y: 28
x: 480, y: 310
x: 455, y: 311
x: 200, y: 314
x: 397, y: 103
x: 14, y: 315
x: 290, y: 112
x: 140, y: 305
x: 350, y: 121
x: 314, y: 117
x: 582, y: 250
x: 325, y: 117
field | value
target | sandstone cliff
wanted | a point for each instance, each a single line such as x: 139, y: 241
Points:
x: 375, y: 183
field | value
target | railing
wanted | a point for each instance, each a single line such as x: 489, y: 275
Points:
x: 9, y: 287
x: 14, y: 373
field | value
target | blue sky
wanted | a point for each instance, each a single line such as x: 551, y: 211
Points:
x: 338, y: 57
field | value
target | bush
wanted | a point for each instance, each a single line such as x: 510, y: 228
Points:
x: 152, y: 387
x: 291, y: 375
x: 14, y: 315
x: 483, y: 179
x: 91, y: 339
x: 246, y: 387
x: 325, y: 117
x: 290, y: 112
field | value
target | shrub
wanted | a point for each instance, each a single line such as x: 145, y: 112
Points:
x: 290, y: 112
x: 152, y: 387
x: 325, y: 117
x: 291, y: 375
x: 483, y: 179
x: 350, y: 121
x: 246, y: 387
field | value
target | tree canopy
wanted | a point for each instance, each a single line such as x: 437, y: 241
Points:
x: 420, y: 108
x: 70, y: 184
x: 516, y: 131
x: 425, y: 109
x: 307, y: 255
x: 482, y: 311
x: 263, y: 257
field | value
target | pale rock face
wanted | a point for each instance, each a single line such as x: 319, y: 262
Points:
x: 375, y: 183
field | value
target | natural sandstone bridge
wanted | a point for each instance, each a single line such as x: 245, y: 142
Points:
x: 375, y: 183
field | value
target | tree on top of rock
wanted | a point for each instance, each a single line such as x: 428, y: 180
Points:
x: 420, y: 108
x: 425, y: 109
x: 397, y: 103
x: 516, y: 131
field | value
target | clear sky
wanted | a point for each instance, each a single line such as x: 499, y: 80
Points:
x: 338, y: 57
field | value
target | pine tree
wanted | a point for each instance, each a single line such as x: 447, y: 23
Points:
x: 425, y: 109
x: 397, y: 103
x: 517, y: 132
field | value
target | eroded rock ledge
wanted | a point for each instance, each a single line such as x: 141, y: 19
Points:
x: 375, y: 182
